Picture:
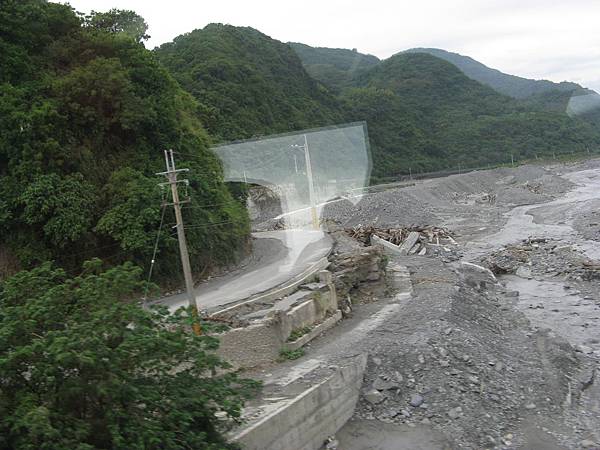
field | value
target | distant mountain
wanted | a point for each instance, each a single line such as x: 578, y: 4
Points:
x: 565, y: 97
x: 248, y: 84
x: 511, y: 85
x: 425, y: 113
x: 334, y: 67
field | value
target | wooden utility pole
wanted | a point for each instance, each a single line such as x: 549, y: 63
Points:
x: 171, y: 175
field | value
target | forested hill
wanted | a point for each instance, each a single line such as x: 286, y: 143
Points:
x: 424, y: 112
x: 511, y: 85
x: 334, y: 67
x: 249, y: 84
x: 565, y: 97
x: 85, y: 113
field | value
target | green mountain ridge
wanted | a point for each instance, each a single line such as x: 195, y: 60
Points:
x: 424, y: 113
x: 334, y: 67
x: 511, y: 85
x: 249, y: 84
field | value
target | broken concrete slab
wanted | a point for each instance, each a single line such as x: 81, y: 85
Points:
x: 409, y: 242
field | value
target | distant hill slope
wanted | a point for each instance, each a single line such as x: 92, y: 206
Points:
x: 565, y: 97
x: 511, y: 85
x: 424, y: 113
x: 249, y: 84
x: 334, y: 67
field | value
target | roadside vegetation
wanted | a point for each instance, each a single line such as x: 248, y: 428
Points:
x: 83, y: 368
x: 85, y: 114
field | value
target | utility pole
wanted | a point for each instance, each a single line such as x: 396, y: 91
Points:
x: 171, y: 175
x: 311, y: 187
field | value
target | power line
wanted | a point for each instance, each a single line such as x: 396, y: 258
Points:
x: 210, y: 206
x: 162, y: 218
x: 209, y: 225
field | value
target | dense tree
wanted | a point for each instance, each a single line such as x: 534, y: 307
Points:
x: 85, y: 113
x: 120, y: 21
x: 424, y: 113
x: 82, y: 367
x: 250, y: 85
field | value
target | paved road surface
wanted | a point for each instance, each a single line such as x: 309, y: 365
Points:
x: 301, y: 249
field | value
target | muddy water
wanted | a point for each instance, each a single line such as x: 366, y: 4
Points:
x: 548, y: 304
x: 552, y: 220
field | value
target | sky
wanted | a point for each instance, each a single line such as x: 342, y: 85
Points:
x: 556, y: 40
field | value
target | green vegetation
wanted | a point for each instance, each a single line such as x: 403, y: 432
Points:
x: 82, y: 368
x: 289, y: 355
x: 511, y: 85
x: 541, y: 95
x: 425, y: 114
x: 247, y: 83
x: 85, y: 113
x: 334, y: 67
x: 298, y: 333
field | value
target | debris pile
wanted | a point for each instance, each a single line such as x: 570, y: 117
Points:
x: 464, y: 373
x: 397, y: 236
x: 479, y: 198
x: 413, y: 240
x: 542, y: 258
x: 533, y: 187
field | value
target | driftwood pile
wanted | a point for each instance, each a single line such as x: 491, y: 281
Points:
x: 398, y: 236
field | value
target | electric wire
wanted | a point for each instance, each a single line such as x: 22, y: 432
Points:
x: 153, y: 260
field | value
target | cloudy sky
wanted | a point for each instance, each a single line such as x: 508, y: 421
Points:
x: 552, y: 39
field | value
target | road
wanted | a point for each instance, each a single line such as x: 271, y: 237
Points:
x: 284, y: 254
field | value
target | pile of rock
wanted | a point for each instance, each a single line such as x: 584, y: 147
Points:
x: 542, y: 258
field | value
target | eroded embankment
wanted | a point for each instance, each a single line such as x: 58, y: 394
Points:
x: 460, y: 359
x: 479, y: 365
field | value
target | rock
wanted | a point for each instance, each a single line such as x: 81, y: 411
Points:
x: 524, y: 272
x: 455, y: 413
x: 381, y: 384
x: 331, y: 443
x: 373, y: 276
x: 374, y: 397
x: 586, y: 443
x: 377, y: 361
x: 416, y: 400
x: 476, y: 276
x: 530, y: 406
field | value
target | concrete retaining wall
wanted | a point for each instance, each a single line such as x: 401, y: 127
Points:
x: 305, y: 421
x: 262, y: 340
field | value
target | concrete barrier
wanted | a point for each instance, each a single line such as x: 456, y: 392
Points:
x: 304, y: 421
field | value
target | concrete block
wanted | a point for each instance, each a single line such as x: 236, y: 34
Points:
x: 316, y: 331
x: 409, y: 242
